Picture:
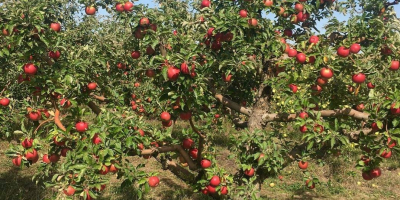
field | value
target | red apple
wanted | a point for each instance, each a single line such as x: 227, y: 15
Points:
x: 135, y: 54
x: 343, y: 52
x: 303, y: 115
x: 205, y: 163
x: 173, y: 73
x: 65, y: 103
x: 27, y: 143
x: 215, y: 181
x: 226, y: 78
x: 128, y: 6
x: 187, y: 143
x: 144, y: 22
x: 326, y: 73
x: 119, y: 7
x: 288, y: 32
x: 81, y: 126
x: 113, y: 168
x: 301, y: 58
x: 90, y: 10
x: 312, y: 186
x: 314, y: 39
x: 55, y: 26
x: 292, y: 53
x: 30, y: 69
x: 69, y: 191
x: 211, y: 189
x: 34, y: 116
x: 394, y: 66
x: 153, y: 181
x: 46, y: 159
x: 205, y: 4
x: 193, y: 153
x: 64, y: 151
x: 293, y: 87
x: 375, y: 173
x: 393, y: 110
x: 31, y: 154
x: 185, y: 115
x: 243, y: 13
x: 104, y: 170
x: 92, y: 86
x: 322, y: 81
x: 386, y: 153
x: 17, y: 161
x: 4, y: 102
x: 391, y: 143
x: 96, y: 139
x: 370, y: 85
x: 185, y: 68
x: 366, y: 176
x: 303, y: 128
x: 252, y: 22
x: 165, y: 116
x: 224, y: 189
x: 54, y: 158
x: 303, y: 165
x: 359, y: 78
x: 355, y: 48
x: 268, y: 3
x: 249, y: 172
x: 167, y: 123
x: 299, y: 7
x: 360, y: 107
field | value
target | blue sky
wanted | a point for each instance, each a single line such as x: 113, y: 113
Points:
x: 320, y: 24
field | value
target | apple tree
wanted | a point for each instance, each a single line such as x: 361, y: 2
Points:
x: 80, y: 90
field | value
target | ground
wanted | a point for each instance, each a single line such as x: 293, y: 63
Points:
x: 339, y: 180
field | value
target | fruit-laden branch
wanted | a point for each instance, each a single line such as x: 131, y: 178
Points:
x: 171, y: 148
x: 41, y: 124
x: 284, y: 117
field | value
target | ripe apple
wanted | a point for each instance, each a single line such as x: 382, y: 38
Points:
x: 288, y: 32
x: 173, y: 73
x: 243, y: 13
x: 17, y: 161
x: 90, y: 10
x: 153, y: 27
x: 252, y: 22
x: 367, y: 176
x: 303, y: 115
x: 370, y: 85
x: 303, y: 128
x: 394, y: 65
x: 69, y: 191
x: 215, y: 181
x: 205, y: 163
x: 56, y: 27
x: 185, y: 68
x: 58, y: 143
x: 187, y: 143
x: 96, y: 139
x: 92, y: 86
x: 268, y: 3
x: 375, y: 173
x: 153, y: 181
x: 322, y: 81
x: 303, y: 165
x: 386, y: 153
x: 65, y: 103
x: 314, y: 39
x: 104, y: 170
x: 144, y: 22
x: 165, y: 116
x: 119, y: 7
x: 53, y: 158
x: 249, y: 172
x: 391, y: 143
x: 211, y: 189
x: 299, y: 7
x: 167, y: 123
x: 185, y: 115
x: 301, y: 58
x: 81, y: 126
x: 393, y: 110
x: 128, y: 6
x: 34, y: 116
x: 31, y: 154
x: 343, y: 52
x: 205, y: 4
x: 113, y: 168
x: 358, y: 78
x: 293, y: 87
x: 27, y: 143
x: 64, y: 151
x: 150, y: 50
x: 292, y: 53
x: 30, y: 69
x: 326, y: 72
x: 216, y: 45
x: 360, y: 107
x: 217, y: 116
x: 141, y: 132
x: 355, y: 48
x: 193, y: 153
x: 135, y: 54
x: 4, y: 102
x: 46, y: 159
x: 312, y: 186
x: 224, y: 189
x: 226, y: 78
x: 150, y: 73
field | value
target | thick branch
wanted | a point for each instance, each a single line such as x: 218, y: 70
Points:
x: 231, y: 104
x: 100, y: 98
x: 195, y: 129
x: 94, y: 107
x: 284, y: 117
x: 171, y: 148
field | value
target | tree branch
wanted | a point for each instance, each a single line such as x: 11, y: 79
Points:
x: 41, y: 124
x: 171, y: 148
x: 195, y: 129
x: 229, y: 103
x: 94, y: 107
x: 285, y: 117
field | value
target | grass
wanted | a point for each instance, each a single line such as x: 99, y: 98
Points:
x: 339, y: 179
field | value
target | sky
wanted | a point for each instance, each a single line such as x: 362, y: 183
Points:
x: 320, y: 24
